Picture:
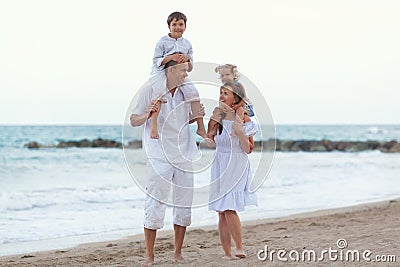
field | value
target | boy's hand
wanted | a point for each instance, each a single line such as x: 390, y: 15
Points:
x: 180, y: 58
x: 183, y: 58
x: 175, y: 57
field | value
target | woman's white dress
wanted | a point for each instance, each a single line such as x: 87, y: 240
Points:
x: 230, y: 173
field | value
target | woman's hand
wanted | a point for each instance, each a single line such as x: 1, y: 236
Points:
x: 237, y: 127
x: 244, y: 141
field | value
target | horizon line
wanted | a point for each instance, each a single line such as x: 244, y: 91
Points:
x: 276, y: 124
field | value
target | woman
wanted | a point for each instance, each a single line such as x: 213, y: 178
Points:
x: 230, y: 173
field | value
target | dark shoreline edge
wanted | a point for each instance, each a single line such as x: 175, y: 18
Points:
x: 268, y: 145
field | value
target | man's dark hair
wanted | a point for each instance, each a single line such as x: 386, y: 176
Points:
x: 170, y: 64
x: 176, y: 15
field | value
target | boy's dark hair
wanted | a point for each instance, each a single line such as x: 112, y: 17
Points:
x: 176, y: 15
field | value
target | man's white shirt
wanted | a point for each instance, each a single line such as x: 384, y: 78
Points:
x: 176, y: 143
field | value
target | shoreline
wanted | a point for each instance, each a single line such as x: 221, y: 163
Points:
x: 370, y: 226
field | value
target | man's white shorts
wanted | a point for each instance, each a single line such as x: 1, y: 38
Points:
x: 162, y: 176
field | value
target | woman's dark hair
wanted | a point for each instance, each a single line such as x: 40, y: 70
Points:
x: 238, y: 94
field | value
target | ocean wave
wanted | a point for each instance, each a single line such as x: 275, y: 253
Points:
x: 23, y: 201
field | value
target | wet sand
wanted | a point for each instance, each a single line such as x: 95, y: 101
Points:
x: 372, y: 226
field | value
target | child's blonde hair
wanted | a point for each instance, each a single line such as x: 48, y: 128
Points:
x: 230, y: 67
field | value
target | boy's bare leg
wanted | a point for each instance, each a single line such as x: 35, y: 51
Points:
x: 150, y: 239
x: 212, y: 129
x: 179, y: 236
x: 201, y: 130
x: 153, y: 125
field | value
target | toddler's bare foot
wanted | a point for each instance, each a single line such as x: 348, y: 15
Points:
x: 240, y: 253
x: 148, y: 262
x: 154, y: 132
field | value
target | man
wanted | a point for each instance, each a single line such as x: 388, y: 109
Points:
x: 169, y: 157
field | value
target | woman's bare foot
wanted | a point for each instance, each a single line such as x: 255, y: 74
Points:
x: 148, y: 262
x: 178, y: 258
x: 240, y: 253
x: 227, y: 257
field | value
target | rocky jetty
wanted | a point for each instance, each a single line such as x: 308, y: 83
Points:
x: 328, y: 146
x: 269, y: 145
x: 99, y: 142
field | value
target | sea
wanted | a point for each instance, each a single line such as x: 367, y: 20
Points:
x: 55, y: 198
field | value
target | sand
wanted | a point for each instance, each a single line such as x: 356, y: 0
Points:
x: 372, y: 226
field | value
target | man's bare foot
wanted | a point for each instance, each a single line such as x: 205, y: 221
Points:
x: 227, y: 257
x: 148, y: 262
x: 178, y: 258
x: 154, y: 132
x: 240, y: 253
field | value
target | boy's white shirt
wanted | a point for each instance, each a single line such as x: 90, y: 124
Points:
x: 167, y: 46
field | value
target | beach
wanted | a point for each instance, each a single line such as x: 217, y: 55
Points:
x: 372, y: 226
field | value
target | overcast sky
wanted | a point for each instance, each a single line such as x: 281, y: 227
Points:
x: 315, y: 62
